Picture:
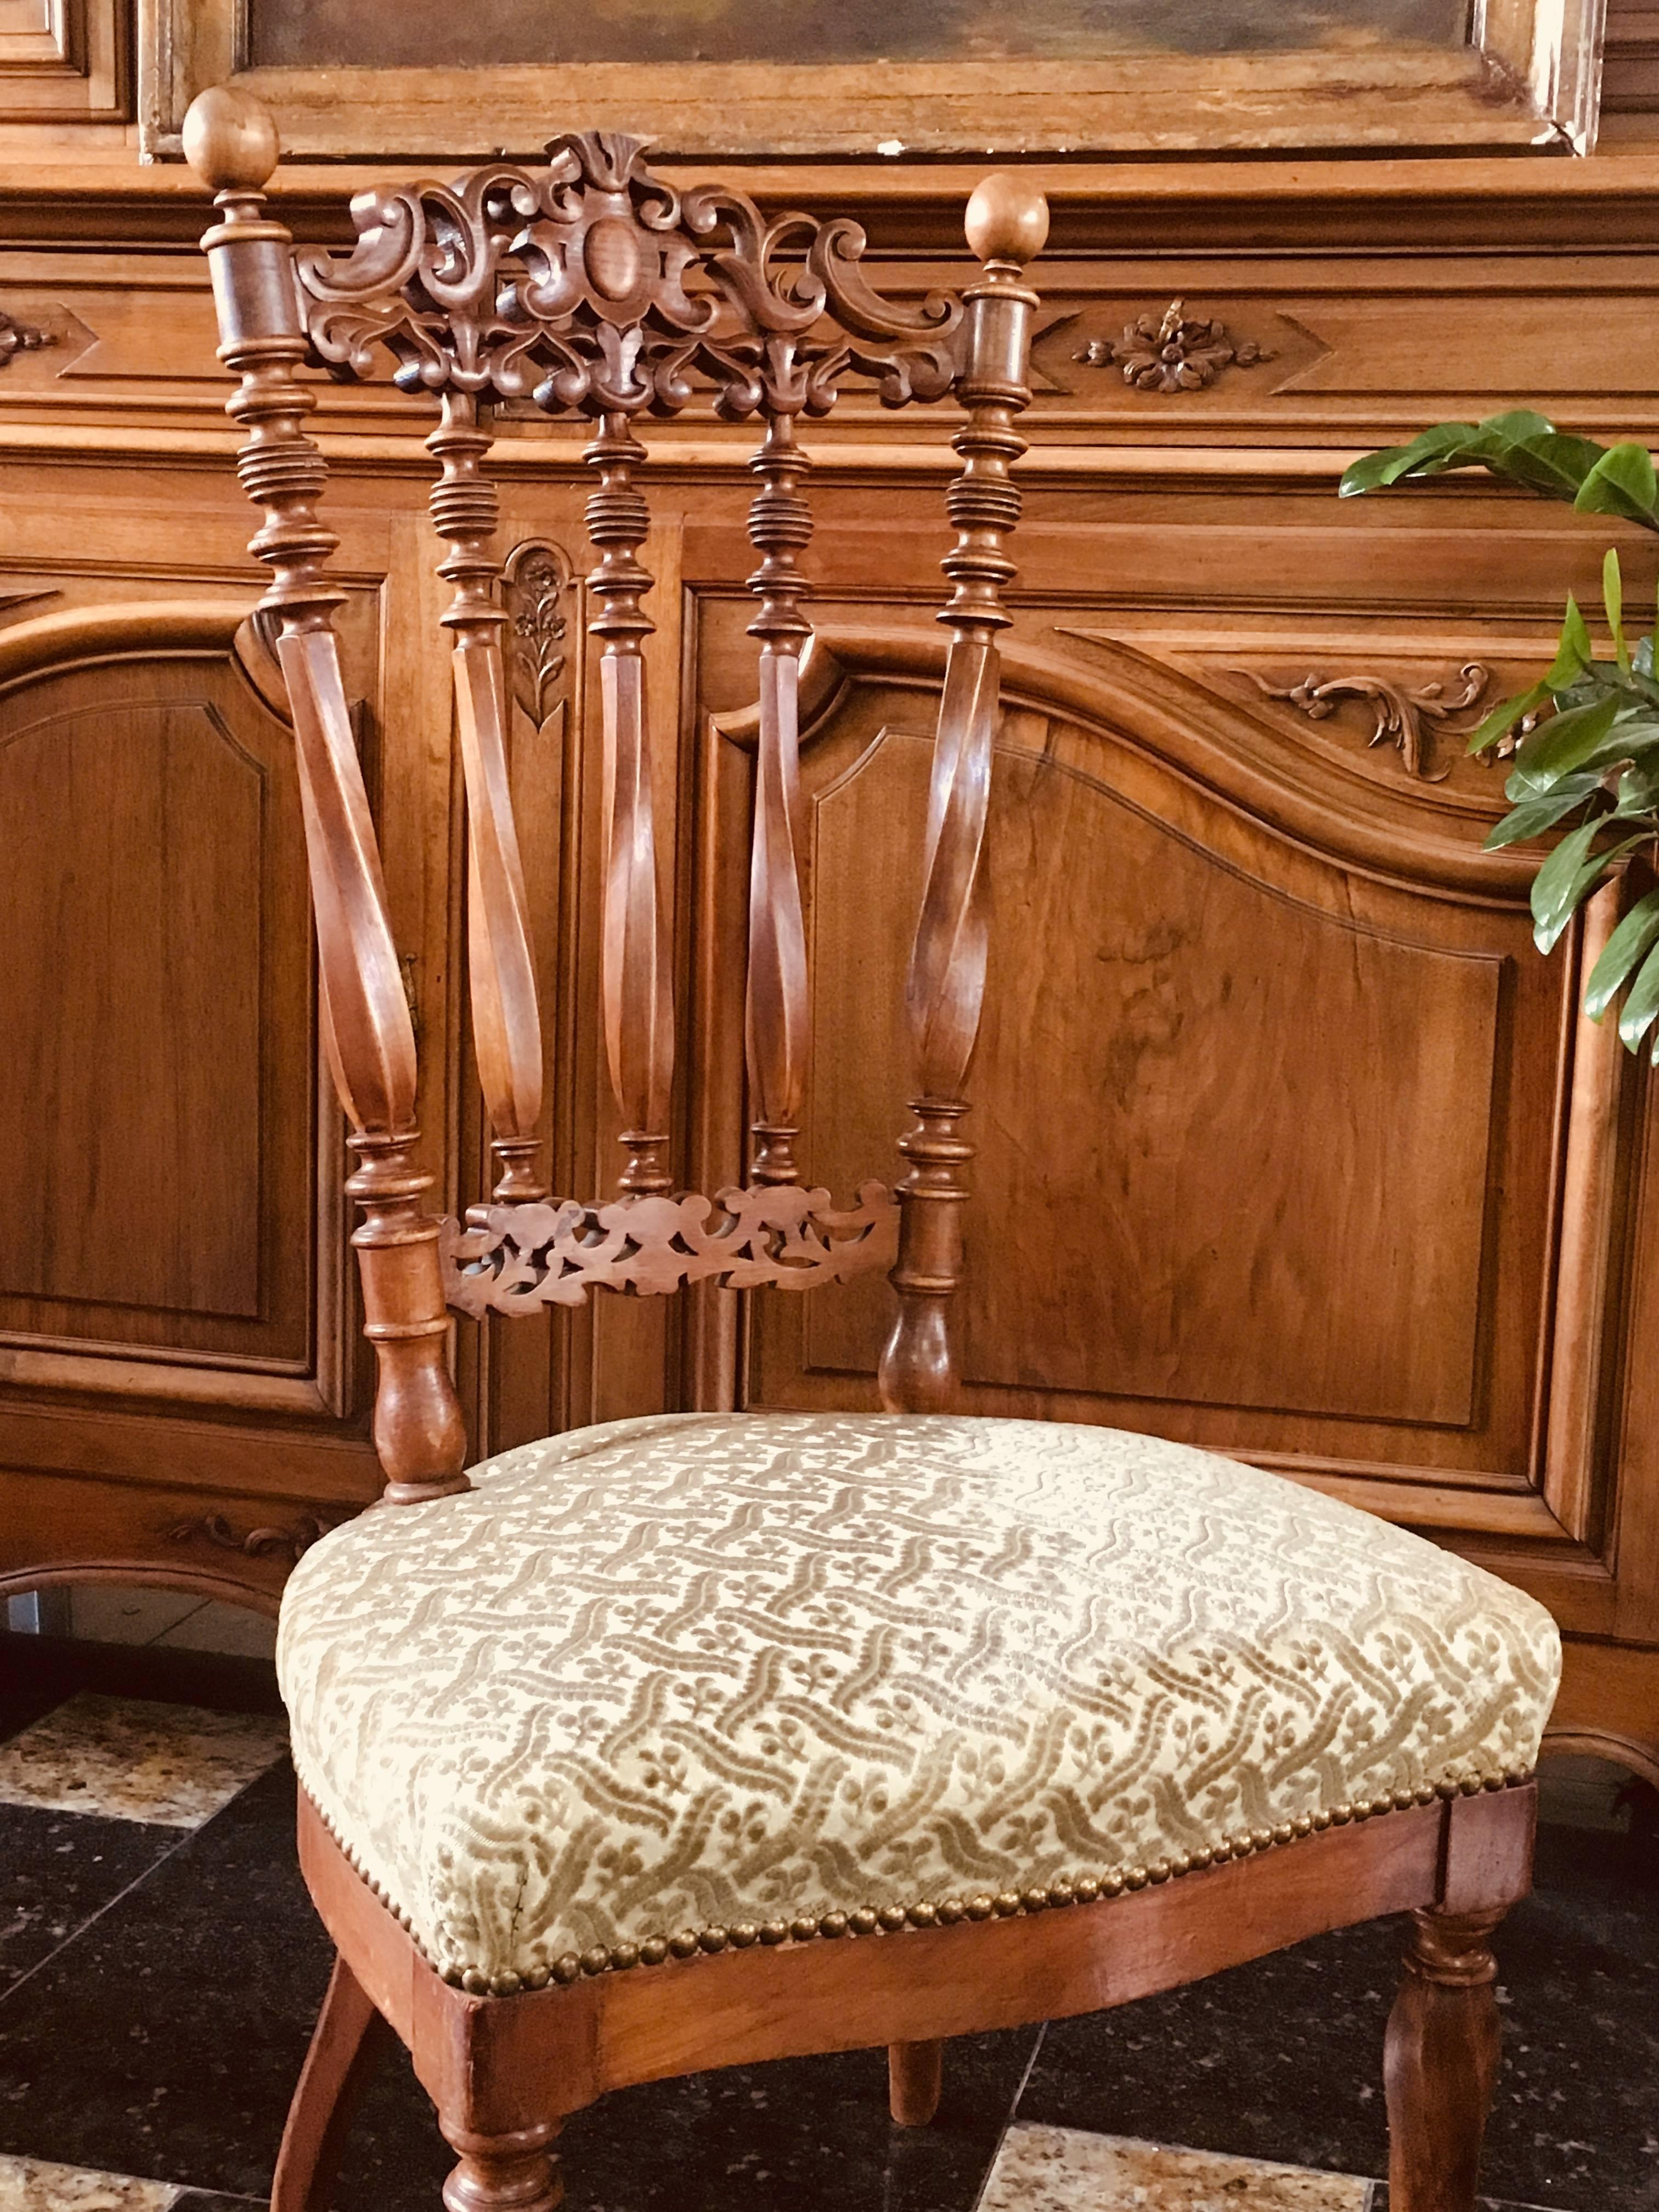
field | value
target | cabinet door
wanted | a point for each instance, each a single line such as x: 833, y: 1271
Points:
x: 182, y: 1379
x: 1289, y: 1143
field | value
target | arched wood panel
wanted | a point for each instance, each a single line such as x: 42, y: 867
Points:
x: 1270, y: 1136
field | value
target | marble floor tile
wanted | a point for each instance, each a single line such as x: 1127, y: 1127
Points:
x: 1043, y: 2169
x: 36, y: 2185
x: 57, y: 1871
x: 128, y: 1759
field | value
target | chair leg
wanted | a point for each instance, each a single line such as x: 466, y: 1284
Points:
x: 913, y: 2073
x: 1440, y: 2063
x: 346, y: 2044
x: 514, y: 2173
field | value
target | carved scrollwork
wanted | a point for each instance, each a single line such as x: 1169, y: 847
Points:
x: 519, y: 1258
x: 1176, y: 354
x: 594, y: 288
x: 291, y: 1543
x: 1400, y: 712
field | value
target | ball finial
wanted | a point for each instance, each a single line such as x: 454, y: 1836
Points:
x: 230, y: 139
x: 1007, y: 219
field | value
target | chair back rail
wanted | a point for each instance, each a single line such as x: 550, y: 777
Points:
x: 595, y: 289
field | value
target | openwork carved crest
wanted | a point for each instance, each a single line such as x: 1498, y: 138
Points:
x: 1177, y: 354
x: 525, y: 1256
x: 591, y: 288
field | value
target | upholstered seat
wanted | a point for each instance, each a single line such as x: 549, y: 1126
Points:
x: 728, y: 1678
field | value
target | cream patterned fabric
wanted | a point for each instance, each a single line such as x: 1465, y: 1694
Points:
x: 698, y: 1671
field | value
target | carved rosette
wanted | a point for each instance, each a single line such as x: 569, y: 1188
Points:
x: 1176, y: 353
x: 16, y: 337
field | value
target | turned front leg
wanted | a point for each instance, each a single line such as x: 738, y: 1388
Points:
x: 515, y: 2173
x: 1440, y: 2062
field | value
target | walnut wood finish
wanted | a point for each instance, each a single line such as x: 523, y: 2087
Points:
x: 346, y: 2045
x: 1187, y: 1225
x: 419, y: 1435
x: 915, y: 2079
x: 503, y: 2071
x: 575, y: 286
x: 507, y: 1029
x: 775, y: 1005
x: 1441, y: 2060
x: 946, y: 986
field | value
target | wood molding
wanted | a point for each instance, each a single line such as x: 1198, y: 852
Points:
x: 71, y: 65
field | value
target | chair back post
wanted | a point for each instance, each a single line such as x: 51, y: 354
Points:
x: 506, y: 1030
x: 367, y: 1032
x: 1007, y: 222
x: 635, y: 981
x: 775, y: 1008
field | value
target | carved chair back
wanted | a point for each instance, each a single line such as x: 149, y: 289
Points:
x: 593, y: 288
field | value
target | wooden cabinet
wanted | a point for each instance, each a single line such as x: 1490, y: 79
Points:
x: 1290, y: 1145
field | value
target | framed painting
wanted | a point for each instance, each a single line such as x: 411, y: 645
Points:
x: 806, y: 79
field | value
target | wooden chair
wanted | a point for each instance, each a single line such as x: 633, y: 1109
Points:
x: 695, y: 1741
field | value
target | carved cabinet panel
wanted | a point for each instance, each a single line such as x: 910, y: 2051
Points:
x: 1290, y: 1143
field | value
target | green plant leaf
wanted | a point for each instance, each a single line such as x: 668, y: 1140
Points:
x: 1575, y: 656
x: 1561, y: 747
x: 1613, y: 598
x: 1630, y: 944
x: 1565, y: 879
x: 1430, y: 451
x: 1641, y: 1005
x: 1502, y: 720
x: 1622, y: 483
x: 1638, y: 792
x: 1533, y: 816
x: 1557, y: 464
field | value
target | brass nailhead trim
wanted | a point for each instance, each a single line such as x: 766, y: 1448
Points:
x: 892, y: 1919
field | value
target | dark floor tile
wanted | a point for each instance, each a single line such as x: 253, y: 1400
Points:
x: 811, y: 2134
x: 211, y: 2200
x: 165, y: 2040
x: 56, y: 1870
x: 1282, y: 2059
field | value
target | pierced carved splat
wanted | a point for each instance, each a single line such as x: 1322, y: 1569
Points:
x: 518, y: 1258
x: 592, y: 288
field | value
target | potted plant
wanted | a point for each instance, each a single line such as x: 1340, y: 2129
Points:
x: 1583, y: 741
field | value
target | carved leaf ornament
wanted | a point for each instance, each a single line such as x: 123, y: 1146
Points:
x: 519, y: 1257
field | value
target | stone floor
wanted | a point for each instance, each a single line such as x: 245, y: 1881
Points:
x: 159, y: 1966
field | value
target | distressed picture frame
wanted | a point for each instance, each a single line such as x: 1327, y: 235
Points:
x: 1523, y: 75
